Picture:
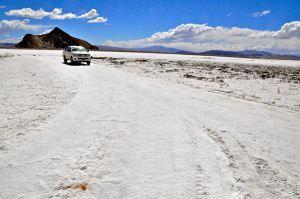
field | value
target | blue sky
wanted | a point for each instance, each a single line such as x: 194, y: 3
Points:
x: 137, y: 20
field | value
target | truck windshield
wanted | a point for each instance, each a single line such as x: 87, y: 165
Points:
x: 79, y: 49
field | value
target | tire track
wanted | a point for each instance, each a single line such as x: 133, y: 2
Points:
x: 261, y: 180
x: 234, y: 182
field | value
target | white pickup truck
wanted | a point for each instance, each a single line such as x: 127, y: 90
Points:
x: 77, y: 54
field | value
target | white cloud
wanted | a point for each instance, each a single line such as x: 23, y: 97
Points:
x: 28, y: 13
x: 2, y: 7
x: 260, y: 14
x: 56, y: 13
x: 289, y: 30
x: 201, y: 37
x: 98, y: 20
x: 7, y: 26
x: 46, y: 31
x: 89, y: 15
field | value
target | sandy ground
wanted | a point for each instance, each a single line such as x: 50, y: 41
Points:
x: 148, y: 126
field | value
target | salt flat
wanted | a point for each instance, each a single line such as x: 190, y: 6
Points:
x: 128, y: 128
x: 270, y: 62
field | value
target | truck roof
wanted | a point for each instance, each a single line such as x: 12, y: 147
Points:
x: 76, y: 46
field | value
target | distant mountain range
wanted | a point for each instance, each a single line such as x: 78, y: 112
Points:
x: 245, y: 53
x: 58, y: 39
x: 153, y: 49
x: 7, y: 45
x: 159, y: 49
x: 223, y: 53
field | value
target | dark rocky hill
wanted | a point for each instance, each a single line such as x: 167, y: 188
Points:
x: 56, y: 39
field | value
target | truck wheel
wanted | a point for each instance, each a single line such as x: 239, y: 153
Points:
x: 72, y: 62
x: 65, y: 60
x: 88, y: 63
